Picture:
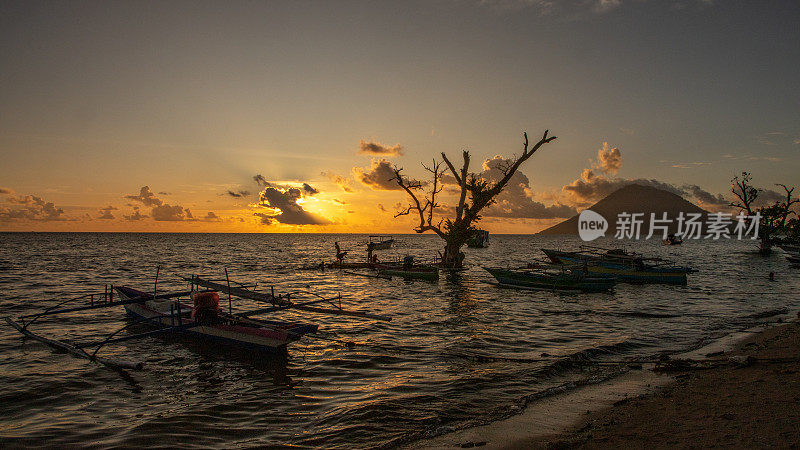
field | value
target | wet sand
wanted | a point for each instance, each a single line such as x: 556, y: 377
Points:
x: 729, y: 400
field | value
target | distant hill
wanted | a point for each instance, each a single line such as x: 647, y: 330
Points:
x: 633, y: 198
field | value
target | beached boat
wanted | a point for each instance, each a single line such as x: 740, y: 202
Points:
x: 380, y: 242
x: 479, y: 239
x: 428, y: 273
x: 623, y: 266
x: 569, y: 280
x: 200, y: 318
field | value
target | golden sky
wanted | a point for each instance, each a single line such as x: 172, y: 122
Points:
x: 192, y: 101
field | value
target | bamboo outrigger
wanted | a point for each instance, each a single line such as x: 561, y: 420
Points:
x: 203, y: 318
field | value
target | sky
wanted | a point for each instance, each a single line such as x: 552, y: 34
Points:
x: 288, y: 116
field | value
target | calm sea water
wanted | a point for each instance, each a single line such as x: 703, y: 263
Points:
x: 458, y: 352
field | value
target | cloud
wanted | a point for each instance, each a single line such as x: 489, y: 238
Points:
x: 516, y: 200
x: 309, y: 190
x: 31, y: 207
x: 609, y: 160
x: 591, y: 186
x: 168, y: 213
x: 769, y: 197
x: 690, y: 165
x: 281, y: 207
x: 105, y: 213
x: 378, y: 149
x: 602, y: 6
x: 7, y: 191
x: 706, y: 198
x: 379, y: 176
x: 211, y: 217
x: 146, y: 197
x: 135, y: 216
x: 342, y: 182
x: 238, y: 194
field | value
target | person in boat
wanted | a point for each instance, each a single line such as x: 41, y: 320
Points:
x: 339, y: 253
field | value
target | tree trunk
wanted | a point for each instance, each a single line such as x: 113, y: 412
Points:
x: 452, y: 257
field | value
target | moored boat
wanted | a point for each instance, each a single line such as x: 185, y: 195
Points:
x: 623, y: 266
x: 204, y: 319
x: 570, y: 280
x: 381, y: 242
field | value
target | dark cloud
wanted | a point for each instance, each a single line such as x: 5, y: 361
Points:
x: 135, y: 216
x: 164, y: 193
x: 380, y: 176
x: 31, y: 207
x: 211, y: 217
x: 768, y: 197
x: 6, y: 191
x: 238, y: 194
x: 146, y: 196
x: 704, y: 197
x: 168, y: 213
x: 282, y: 207
x: 310, y: 190
x: 591, y: 187
x: 340, y: 181
x: 378, y: 149
x: 105, y: 213
x: 516, y: 200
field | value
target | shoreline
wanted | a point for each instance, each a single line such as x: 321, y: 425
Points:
x: 600, y: 415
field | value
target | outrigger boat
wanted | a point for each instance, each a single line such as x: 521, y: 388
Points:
x: 565, y: 280
x: 200, y: 318
x: 409, y: 270
x: 381, y: 242
x: 621, y: 265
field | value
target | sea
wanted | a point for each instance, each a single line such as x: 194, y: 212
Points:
x: 458, y: 352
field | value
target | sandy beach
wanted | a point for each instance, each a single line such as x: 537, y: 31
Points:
x: 742, y: 394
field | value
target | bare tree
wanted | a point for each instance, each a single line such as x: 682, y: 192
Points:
x: 744, y: 192
x: 787, y: 205
x: 475, y: 193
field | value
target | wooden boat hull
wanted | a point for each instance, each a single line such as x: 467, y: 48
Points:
x: 383, y: 245
x: 623, y: 272
x: 269, y: 336
x: 428, y: 274
x: 554, y: 282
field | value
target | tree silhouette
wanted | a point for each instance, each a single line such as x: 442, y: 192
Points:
x: 475, y: 194
x: 743, y: 191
